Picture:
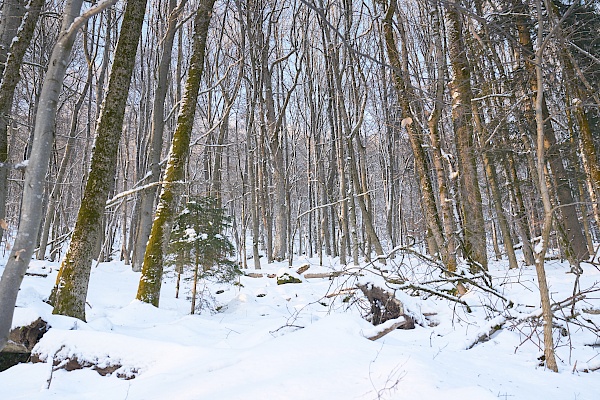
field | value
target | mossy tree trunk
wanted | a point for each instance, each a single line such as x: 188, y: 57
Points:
x: 35, y: 174
x: 10, y: 76
x: 152, y: 268
x: 147, y: 197
x: 70, y: 292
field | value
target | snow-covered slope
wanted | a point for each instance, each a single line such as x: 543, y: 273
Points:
x: 292, y: 342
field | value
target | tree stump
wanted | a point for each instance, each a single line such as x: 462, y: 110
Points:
x: 385, y: 306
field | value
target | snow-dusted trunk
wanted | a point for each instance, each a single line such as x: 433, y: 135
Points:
x: 545, y: 194
x: 152, y: 269
x: 405, y: 95
x: 70, y: 292
x: 156, y: 141
x: 10, y: 76
x: 33, y: 188
x: 10, y: 20
x: 470, y: 193
x: 446, y: 206
x: 574, y: 243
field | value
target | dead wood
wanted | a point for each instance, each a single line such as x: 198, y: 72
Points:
x: 385, y: 306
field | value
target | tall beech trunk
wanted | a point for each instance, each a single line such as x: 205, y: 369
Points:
x: 71, y: 288
x: 35, y: 174
x: 148, y: 196
x: 404, y: 92
x: 10, y: 75
x: 152, y: 269
x: 65, y: 164
x: 470, y: 194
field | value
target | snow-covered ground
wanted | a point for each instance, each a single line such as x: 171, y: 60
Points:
x: 293, y: 342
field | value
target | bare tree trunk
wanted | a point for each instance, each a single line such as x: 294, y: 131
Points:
x: 12, y: 14
x: 589, y: 158
x: 65, y: 164
x: 152, y: 269
x: 10, y: 74
x: 404, y: 92
x: 70, y: 292
x: 539, y: 265
x: 31, y: 210
x: 575, y: 244
x: 448, y: 222
x: 470, y: 194
x: 522, y: 222
x: 148, y: 196
x: 496, y: 198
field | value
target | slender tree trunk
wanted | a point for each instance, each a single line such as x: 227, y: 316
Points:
x: 31, y: 210
x: 65, y: 164
x: 448, y: 222
x: 522, y: 222
x: 148, y: 196
x: 195, y: 285
x: 541, y: 161
x: 589, y: 158
x: 470, y: 194
x: 70, y: 292
x: 10, y: 76
x: 404, y: 93
x: 152, y: 269
x: 489, y: 166
x: 575, y: 244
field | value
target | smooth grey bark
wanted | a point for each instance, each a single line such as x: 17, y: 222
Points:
x: 10, y: 77
x: 33, y: 190
x: 70, y: 292
x: 65, y: 164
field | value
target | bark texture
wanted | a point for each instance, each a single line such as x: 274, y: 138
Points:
x: 12, y: 14
x: 70, y: 292
x: 147, y: 196
x: 470, y: 194
x: 152, y: 269
x: 31, y: 207
x: 404, y: 92
x: 10, y: 76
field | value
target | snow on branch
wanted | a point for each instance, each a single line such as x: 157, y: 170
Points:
x: 81, y: 20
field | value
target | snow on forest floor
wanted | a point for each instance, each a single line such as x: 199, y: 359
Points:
x: 292, y: 342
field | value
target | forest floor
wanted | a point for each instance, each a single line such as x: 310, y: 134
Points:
x: 260, y: 340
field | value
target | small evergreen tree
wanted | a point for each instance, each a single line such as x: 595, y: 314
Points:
x: 197, y: 240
